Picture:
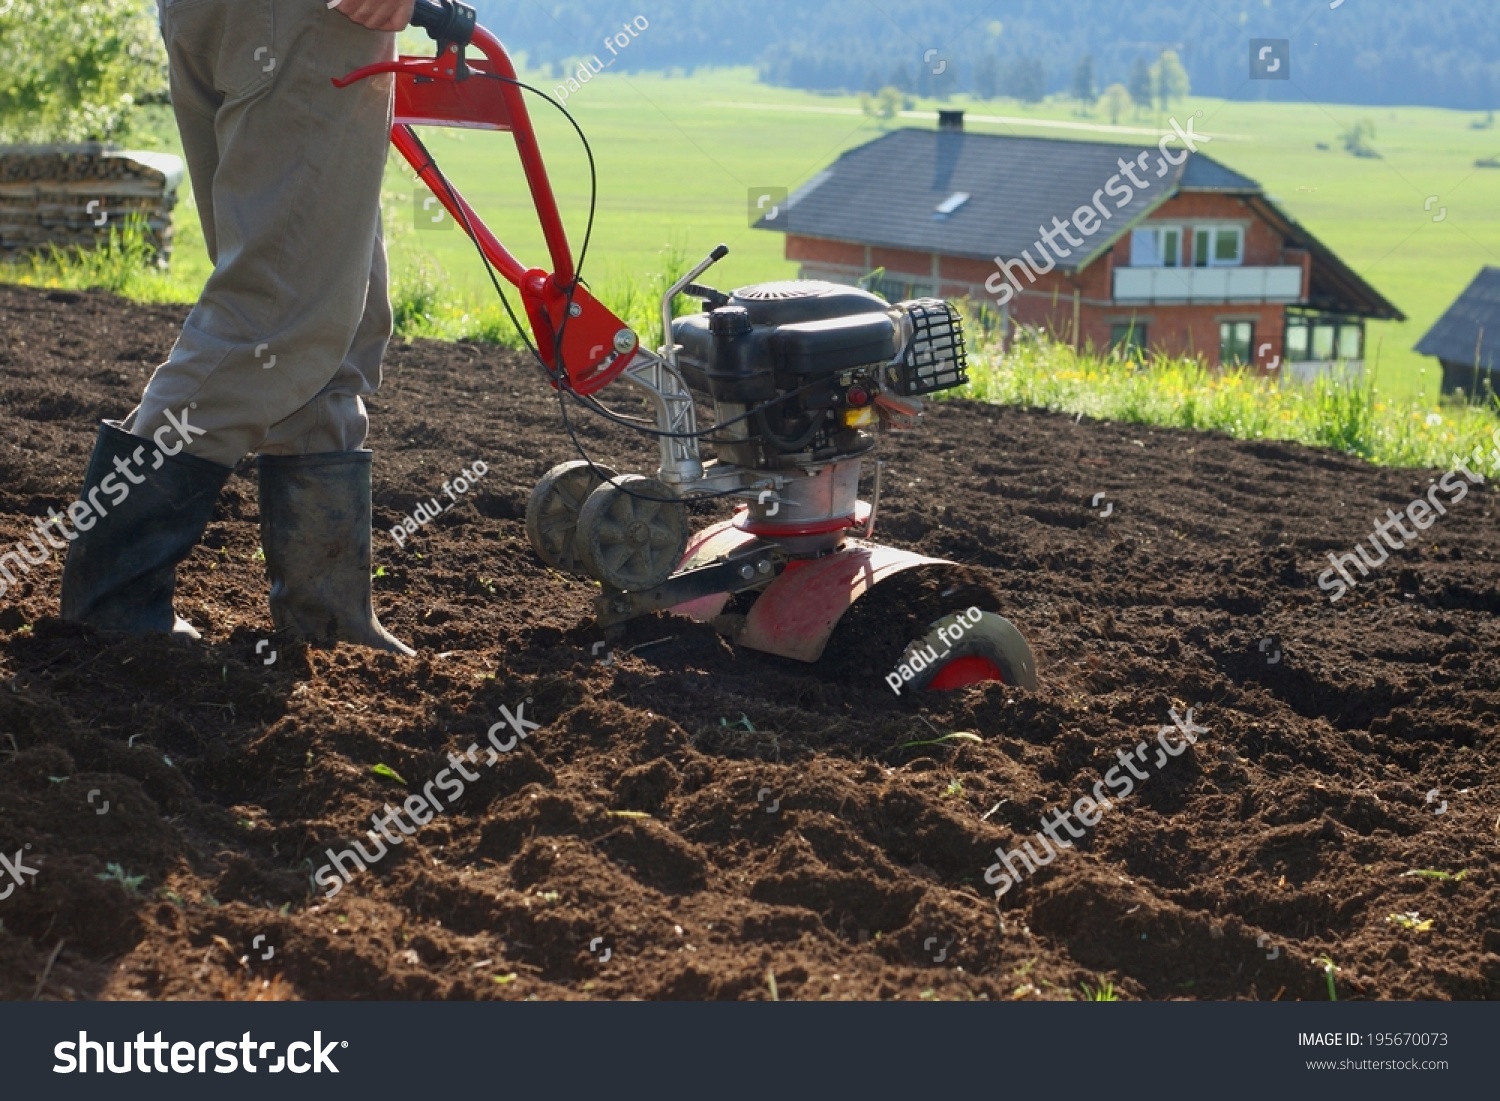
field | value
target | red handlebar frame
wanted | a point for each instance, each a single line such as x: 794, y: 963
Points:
x: 451, y: 91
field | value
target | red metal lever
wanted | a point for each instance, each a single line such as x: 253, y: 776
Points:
x: 451, y: 91
x: 434, y: 68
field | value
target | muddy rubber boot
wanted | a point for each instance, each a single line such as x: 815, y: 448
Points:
x: 121, y: 574
x: 315, y: 531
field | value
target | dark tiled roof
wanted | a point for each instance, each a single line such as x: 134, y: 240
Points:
x: 887, y: 192
x: 1205, y: 174
x: 1472, y: 321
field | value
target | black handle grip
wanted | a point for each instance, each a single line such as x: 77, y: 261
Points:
x: 446, y: 20
x: 706, y: 294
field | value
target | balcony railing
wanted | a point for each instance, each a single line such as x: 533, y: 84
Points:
x: 1281, y: 284
x: 1310, y: 369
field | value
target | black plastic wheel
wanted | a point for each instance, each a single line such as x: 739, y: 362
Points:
x: 552, y: 514
x: 632, y: 534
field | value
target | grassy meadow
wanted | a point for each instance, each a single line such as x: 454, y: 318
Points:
x: 679, y: 158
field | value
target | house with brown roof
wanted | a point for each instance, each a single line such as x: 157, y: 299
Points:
x: 1094, y: 243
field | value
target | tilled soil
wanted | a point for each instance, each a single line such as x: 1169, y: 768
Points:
x: 691, y: 821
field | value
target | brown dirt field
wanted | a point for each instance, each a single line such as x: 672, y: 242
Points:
x: 639, y: 817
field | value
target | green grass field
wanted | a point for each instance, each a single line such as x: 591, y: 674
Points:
x: 678, y: 159
x: 677, y: 164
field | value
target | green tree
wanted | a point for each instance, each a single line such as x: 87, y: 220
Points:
x: 987, y: 77
x: 1025, y: 78
x: 1114, y: 101
x: 938, y: 81
x: 1083, y: 82
x: 1171, y: 79
x: 884, y: 105
x: 1359, y: 138
x: 1142, y: 84
x: 76, y: 72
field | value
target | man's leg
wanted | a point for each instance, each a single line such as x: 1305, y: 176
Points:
x: 295, y: 208
x: 195, y: 102
x: 149, y: 508
x: 288, y: 189
x: 336, y: 419
x: 315, y: 489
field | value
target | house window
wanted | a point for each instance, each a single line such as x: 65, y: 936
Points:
x: 1351, y: 342
x: 1235, y: 341
x: 895, y: 288
x: 1218, y: 247
x: 1128, y: 336
x: 1156, y: 247
x: 1321, y: 338
x: 1297, y: 336
x: 950, y: 206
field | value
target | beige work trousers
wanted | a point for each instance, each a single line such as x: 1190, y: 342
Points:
x: 288, y: 337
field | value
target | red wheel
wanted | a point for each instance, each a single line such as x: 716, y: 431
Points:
x: 970, y: 647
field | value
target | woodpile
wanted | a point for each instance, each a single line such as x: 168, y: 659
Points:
x: 69, y: 195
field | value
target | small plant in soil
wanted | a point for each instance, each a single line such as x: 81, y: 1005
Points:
x: 941, y: 738
x: 1330, y: 969
x: 388, y: 773
x: 1411, y: 921
x: 113, y: 873
x: 1431, y: 873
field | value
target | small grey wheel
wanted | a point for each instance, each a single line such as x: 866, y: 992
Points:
x: 552, y: 514
x: 631, y: 535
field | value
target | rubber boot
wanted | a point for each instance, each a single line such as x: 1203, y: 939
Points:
x: 146, y: 512
x: 315, y: 530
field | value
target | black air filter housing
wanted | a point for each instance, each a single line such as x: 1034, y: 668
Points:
x: 936, y: 357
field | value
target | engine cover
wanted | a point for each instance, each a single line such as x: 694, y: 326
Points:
x: 798, y: 300
x: 774, y: 337
x: 797, y: 369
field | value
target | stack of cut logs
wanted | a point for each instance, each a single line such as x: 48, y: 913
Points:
x: 69, y: 195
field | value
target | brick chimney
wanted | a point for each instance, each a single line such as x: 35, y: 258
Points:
x: 951, y: 122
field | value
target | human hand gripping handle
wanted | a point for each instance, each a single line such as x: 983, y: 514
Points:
x: 443, y: 20
x: 378, y: 15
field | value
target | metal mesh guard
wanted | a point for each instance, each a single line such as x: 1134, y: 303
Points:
x: 936, y: 357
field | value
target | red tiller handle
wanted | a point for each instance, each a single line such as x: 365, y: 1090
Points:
x: 450, y: 90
